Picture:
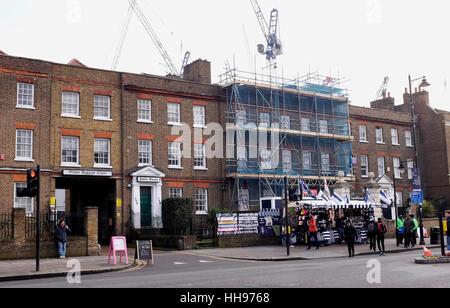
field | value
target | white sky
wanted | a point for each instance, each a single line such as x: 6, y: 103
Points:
x: 362, y: 40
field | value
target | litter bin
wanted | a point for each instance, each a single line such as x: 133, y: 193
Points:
x: 435, y: 236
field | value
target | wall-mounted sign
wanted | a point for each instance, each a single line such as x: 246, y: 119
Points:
x: 145, y: 179
x: 416, y: 183
x: 87, y: 173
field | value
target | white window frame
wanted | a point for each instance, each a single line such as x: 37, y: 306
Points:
x: 108, y: 163
x: 323, y: 126
x: 200, y: 156
x: 202, y: 208
x: 381, y: 165
x: 285, y: 122
x: 396, y: 165
x: 70, y: 164
x: 175, y: 192
x: 101, y: 99
x: 364, y: 166
x: 410, y: 166
x: 408, y: 137
x: 199, y: 113
x: 394, y: 136
x: 145, y: 155
x: 144, y: 106
x: 174, y: 149
x: 305, y: 124
x: 241, y: 117
x: 173, y: 114
x: 379, y: 134
x: 399, y: 196
x: 23, y: 202
x: 307, y: 160
x: 22, y: 97
x: 287, y: 161
x: 325, y: 162
x: 264, y: 119
x: 363, y: 133
x: 70, y: 95
x: 30, y: 146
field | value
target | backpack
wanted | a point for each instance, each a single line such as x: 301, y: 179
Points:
x: 382, y: 228
x: 371, y: 228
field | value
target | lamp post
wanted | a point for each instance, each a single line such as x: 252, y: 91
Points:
x: 424, y: 84
x: 401, y: 168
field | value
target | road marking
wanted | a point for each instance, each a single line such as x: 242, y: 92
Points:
x: 179, y: 263
x: 203, y: 261
x: 213, y: 257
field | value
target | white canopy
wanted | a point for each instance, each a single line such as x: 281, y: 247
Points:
x: 322, y: 204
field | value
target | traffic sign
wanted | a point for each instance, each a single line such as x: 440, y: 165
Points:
x: 417, y: 197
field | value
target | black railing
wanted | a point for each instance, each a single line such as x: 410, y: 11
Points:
x: 204, y: 229
x: 6, y: 230
x: 49, y: 221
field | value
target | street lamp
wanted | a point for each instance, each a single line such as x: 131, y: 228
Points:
x: 401, y: 169
x: 424, y: 84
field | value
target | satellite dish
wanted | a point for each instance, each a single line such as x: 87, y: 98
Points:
x: 261, y: 49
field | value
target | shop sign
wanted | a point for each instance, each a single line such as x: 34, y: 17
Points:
x: 87, y: 173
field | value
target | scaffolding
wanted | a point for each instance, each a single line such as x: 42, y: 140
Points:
x: 279, y: 128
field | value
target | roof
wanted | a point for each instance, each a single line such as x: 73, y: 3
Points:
x: 3, y: 53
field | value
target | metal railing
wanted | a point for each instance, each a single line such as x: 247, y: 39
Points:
x: 6, y: 228
x: 49, y: 221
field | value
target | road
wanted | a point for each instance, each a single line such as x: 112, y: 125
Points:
x: 188, y: 270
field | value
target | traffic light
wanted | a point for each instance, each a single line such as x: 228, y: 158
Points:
x: 32, y: 183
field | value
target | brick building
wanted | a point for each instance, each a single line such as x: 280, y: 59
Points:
x: 107, y: 139
x: 383, y: 140
x: 433, y: 140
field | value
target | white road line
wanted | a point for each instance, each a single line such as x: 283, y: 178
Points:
x: 179, y: 263
x: 203, y: 261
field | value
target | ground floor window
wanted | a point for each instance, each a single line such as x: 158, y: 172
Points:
x: 23, y: 203
x: 175, y: 192
x: 201, y: 201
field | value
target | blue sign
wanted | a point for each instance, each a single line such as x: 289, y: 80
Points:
x: 416, y: 184
x: 417, y: 197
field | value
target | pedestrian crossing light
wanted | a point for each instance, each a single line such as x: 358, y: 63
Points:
x: 32, y: 183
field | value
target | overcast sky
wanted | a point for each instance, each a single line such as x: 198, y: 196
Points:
x: 361, y: 40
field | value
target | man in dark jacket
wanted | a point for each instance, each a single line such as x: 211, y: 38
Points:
x: 372, y: 234
x: 61, y: 236
x: 340, y: 228
x: 350, y: 238
x: 409, y: 232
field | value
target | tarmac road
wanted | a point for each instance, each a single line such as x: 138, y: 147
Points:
x: 191, y: 270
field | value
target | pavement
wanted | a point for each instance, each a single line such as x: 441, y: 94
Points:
x: 11, y: 270
x: 278, y: 253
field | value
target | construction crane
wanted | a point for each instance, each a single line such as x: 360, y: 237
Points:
x: 134, y: 7
x: 382, y: 91
x: 274, y: 47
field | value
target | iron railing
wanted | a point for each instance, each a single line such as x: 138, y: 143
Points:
x: 50, y: 220
x: 6, y: 228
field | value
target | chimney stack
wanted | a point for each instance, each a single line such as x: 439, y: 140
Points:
x: 198, y: 71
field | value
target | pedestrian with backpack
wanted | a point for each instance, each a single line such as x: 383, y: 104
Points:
x: 381, y: 231
x: 372, y: 234
x: 409, y: 232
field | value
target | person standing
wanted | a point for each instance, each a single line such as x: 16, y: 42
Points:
x: 340, y: 228
x: 416, y: 226
x: 447, y: 214
x: 400, y: 229
x: 381, y: 231
x: 372, y: 234
x: 409, y: 232
x: 350, y: 238
x: 61, y: 236
x: 313, y: 230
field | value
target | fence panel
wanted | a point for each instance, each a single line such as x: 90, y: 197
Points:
x: 49, y: 221
x: 6, y: 230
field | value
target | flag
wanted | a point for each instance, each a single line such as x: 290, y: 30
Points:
x: 368, y: 198
x: 337, y: 199
x: 322, y: 196
x: 347, y: 199
x: 303, y: 187
x: 384, y: 199
x: 327, y: 190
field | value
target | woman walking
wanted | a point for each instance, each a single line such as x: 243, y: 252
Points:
x: 350, y: 238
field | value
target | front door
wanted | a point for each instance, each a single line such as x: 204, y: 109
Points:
x: 146, y: 207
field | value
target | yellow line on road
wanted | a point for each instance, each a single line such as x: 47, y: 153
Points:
x: 211, y: 257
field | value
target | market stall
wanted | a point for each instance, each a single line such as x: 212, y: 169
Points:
x: 358, y: 211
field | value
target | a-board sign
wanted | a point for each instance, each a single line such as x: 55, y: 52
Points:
x: 118, y: 244
x: 144, y: 251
